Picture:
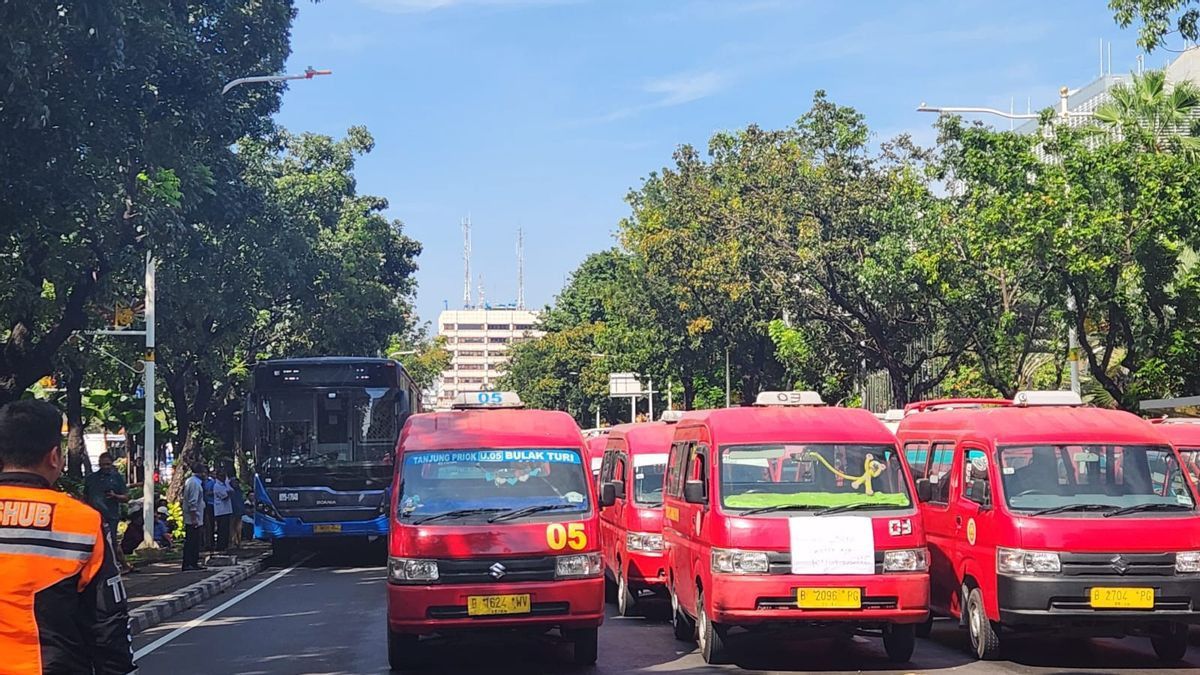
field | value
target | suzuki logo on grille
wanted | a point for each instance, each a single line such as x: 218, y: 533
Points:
x: 497, y: 571
x: 1119, y: 564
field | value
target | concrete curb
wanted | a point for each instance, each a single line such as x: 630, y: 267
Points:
x: 153, y: 613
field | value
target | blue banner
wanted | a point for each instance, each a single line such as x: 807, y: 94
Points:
x: 501, y: 456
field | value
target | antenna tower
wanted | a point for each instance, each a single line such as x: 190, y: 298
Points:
x: 482, y: 303
x: 466, y: 230
x: 520, y: 268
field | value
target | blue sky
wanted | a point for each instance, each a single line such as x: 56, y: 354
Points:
x: 544, y: 113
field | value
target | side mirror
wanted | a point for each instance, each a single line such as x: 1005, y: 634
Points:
x: 619, y: 485
x: 608, y: 494
x: 924, y: 489
x: 693, y: 492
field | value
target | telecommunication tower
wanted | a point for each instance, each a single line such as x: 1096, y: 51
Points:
x: 466, y: 230
x: 520, y: 268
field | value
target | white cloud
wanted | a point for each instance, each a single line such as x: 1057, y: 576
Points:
x: 421, y: 6
x: 671, y: 91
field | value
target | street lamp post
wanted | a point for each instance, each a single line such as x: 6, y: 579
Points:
x: 1064, y: 115
x: 308, y: 74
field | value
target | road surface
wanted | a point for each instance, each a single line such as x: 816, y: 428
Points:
x: 326, y: 616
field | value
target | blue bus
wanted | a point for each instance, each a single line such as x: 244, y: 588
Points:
x: 323, y: 431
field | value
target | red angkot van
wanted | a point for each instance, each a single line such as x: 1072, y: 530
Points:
x: 792, y: 514
x: 1046, y: 515
x: 495, y: 527
x: 595, y: 447
x: 1184, y: 434
x: 631, y: 499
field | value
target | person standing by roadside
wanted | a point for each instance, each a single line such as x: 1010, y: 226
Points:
x: 193, y: 516
x: 222, y: 508
x: 239, y: 510
x: 62, y: 604
x: 208, y: 511
x: 106, y: 492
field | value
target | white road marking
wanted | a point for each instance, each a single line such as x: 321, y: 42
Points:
x: 148, y: 649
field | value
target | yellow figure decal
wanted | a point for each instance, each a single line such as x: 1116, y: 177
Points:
x: 971, y: 531
x: 872, y: 468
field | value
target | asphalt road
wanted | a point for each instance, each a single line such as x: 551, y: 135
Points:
x: 326, y: 616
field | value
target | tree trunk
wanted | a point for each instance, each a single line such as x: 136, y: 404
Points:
x: 77, y: 457
x: 189, y: 453
x: 689, y: 391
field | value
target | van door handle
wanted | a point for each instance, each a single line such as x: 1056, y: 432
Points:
x: 958, y: 521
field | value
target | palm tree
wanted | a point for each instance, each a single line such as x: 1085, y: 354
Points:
x: 1161, y: 117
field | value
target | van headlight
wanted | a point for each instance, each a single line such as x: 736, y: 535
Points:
x: 1187, y: 562
x: 906, y: 560
x: 644, y: 541
x: 577, y: 566
x: 734, y: 561
x: 1019, y: 561
x: 409, y: 570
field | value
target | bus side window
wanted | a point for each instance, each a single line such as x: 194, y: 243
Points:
x: 698, y: 465
x: 939, y: 472
x: 916, y: 454
x: 678, y: 458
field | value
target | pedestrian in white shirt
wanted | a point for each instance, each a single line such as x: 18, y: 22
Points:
x: 193, y: 516
x: 222, y: 507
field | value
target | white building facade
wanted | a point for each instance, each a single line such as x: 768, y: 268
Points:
x: 478, y: 341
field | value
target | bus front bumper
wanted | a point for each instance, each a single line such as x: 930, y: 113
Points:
x: 885, y: 599
x: 423, y: 610
x: 270, y: 529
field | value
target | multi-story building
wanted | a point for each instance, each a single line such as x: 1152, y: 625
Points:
x: 478, y: 341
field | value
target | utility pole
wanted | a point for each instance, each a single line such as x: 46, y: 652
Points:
x: 727, y: 397
x: 1064, y: 116
x: 650, y: 398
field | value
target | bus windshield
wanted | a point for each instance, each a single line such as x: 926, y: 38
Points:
x: 302, y: 428
x: 489, y: 481
x: 1037, y: 477
x: 648, y: 471
x: 816, y: 475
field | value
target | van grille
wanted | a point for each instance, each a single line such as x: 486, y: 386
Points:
x: 460, y: 611
x: 479, y: 570
x: 781, y: 562
x: 1117, y: 564
x: 1078, y: 604
x: 868, y: 602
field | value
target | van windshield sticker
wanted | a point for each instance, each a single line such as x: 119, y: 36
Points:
x: 551, y: 456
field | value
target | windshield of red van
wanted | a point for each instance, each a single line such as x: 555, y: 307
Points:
x: 1048, y: 476
x: 1191, y: 462
x: 485, y: 482
x: 817, y: 475
x: 648, y: 472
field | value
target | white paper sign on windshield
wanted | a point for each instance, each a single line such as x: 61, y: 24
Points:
x: 822, y: 545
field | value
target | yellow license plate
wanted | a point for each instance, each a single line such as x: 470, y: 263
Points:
x: 1122, y: 598
x: 829, y: 598
x: 491, y: 605
x: 327, y: 529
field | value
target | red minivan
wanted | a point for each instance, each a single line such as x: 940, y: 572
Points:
x: 1184, y: 434
x: 595, y: 447
x: 1045, y: 515
x: 494, y: 527
x: 792, y: 514
x: 631, y: 499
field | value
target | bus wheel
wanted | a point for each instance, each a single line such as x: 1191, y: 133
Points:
x: 625, y: 599
x: 586, y: 642
x: 1172, y: 646
x: 984, y: 640
x: 281, y: 551
x: 403, y: 651
x: 682, y: 624
x: 899, y: 641
x: 712, y: 637
x: 925, y: 629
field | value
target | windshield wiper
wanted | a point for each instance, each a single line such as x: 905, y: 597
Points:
x: 778, y: 507
x: 457, y: 513
x: 1070, y: 507
x: 855, y: 507
x: 530, y: 510
x: 1152, y: 506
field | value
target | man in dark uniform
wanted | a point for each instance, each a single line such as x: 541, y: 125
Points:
x: 62, y: 604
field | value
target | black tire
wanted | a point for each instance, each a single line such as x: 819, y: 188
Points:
x: 925, y: 628
x: 711, y: 636
x: 681, y: 624
x: 586, y: 646
x: 1171, y: 647
x: 403, y: 651
x: 899, y: 640
x: 626, y: 601
x: 282, y: 551
x: 985, y: 641
x: 610, y: 589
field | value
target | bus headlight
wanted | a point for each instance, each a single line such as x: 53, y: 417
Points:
x: 577, y: 566
x: 906, y: 560
x: 1019, y: 561
x: 734, y: 561
x: 408, y: 570
x: 1187, y: 562
x: 644, y: 541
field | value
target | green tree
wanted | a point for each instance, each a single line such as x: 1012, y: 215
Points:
x: 1158, y: 18
x: 1155, y: 116
x: 423, y: 357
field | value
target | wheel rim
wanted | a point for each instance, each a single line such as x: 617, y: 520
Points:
x: 622, y: 590
x: 703, y: 627
x: 976, y: 623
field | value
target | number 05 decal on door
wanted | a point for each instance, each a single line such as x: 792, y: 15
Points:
x: 560, y: 536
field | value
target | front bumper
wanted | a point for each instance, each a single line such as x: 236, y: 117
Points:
x: 1062, y: 601
x: 270, y: 529
x: 646, y: 570
x: 437, y: 608
x: 751, y: 599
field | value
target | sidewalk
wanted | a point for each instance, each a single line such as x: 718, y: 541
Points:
x: 157, y: 590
